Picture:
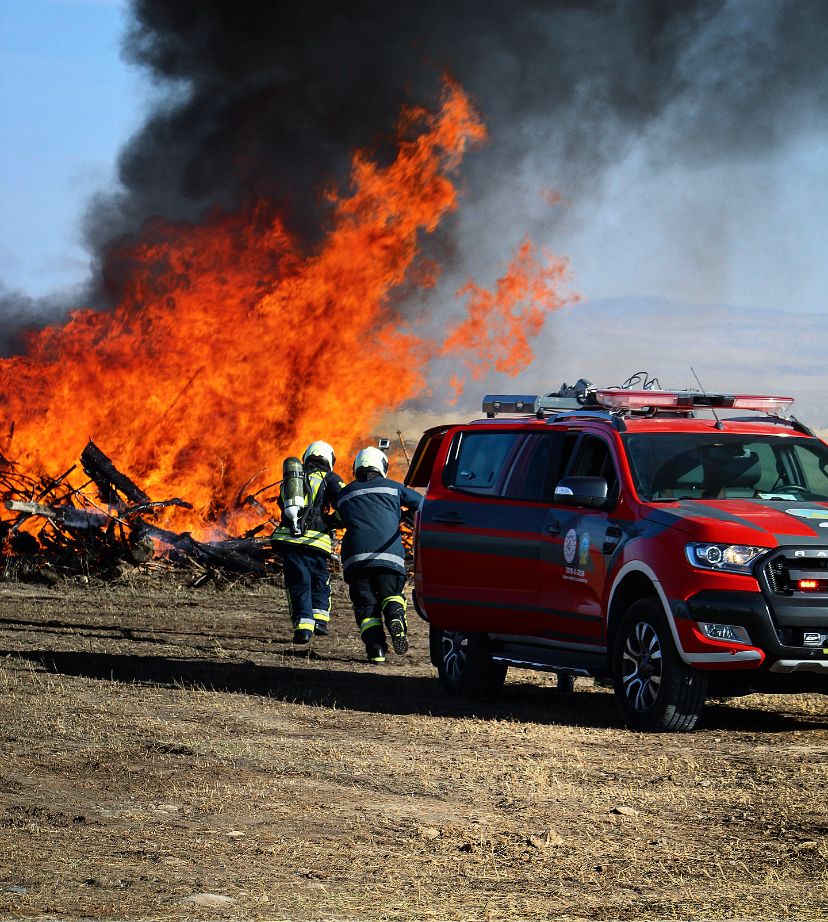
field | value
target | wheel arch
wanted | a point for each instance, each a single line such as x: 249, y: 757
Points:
x: 634, y: 581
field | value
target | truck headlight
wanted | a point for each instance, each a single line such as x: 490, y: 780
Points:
x: 737, y: 558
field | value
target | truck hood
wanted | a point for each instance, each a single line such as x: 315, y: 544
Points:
x: 764, y: 523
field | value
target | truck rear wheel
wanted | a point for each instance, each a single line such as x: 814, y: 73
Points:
x: 464, y: 663
x: 655, y: 689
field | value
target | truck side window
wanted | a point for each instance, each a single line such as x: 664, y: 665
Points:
x: 595, y: 460
x: 537, y: 468
x: 478, y: 461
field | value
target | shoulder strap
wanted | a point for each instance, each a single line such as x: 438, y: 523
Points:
x: 315, y: 503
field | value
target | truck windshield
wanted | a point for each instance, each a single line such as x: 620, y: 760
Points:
x: 718, y: 465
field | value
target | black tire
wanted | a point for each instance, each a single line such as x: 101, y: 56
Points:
x: 655, y: 689
x: 464, y: 663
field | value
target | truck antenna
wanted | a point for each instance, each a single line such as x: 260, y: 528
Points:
x: 719, y: 424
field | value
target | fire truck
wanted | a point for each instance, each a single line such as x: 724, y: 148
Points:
x: 674, y: 543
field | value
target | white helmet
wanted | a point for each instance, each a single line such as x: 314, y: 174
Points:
x: 372, y: 459
x: 320, y: 450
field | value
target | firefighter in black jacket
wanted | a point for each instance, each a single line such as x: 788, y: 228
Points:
x: 373, y: 560
x: 303, y: 541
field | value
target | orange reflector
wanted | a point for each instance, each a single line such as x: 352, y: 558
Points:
x: 809, y: 584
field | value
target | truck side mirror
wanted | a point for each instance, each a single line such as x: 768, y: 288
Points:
x: 581, y: 491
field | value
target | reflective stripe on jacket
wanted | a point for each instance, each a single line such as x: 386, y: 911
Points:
x: 317, y: 534
x: 370, y: 511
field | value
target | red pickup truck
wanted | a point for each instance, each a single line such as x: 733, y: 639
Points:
x: 646, y: 536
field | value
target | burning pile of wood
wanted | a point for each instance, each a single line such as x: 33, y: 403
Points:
x: 67, y: 530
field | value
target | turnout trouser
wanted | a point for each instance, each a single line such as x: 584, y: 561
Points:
x: 308, y: 587
x: 377, y: 596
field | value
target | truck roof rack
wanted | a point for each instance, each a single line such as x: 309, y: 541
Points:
x: 568, y: 397
x: 791, y: 421
x: 584, y: 399
x: 527, y: 404
x: 604, y: 416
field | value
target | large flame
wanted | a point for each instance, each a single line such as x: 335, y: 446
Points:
x: 230, y: 347
x: 499, y: 325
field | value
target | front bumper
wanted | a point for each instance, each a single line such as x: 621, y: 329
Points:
x: 783, y: 648
x: 788, y: 666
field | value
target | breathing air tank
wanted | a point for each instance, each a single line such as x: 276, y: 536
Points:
x: 293, y: 493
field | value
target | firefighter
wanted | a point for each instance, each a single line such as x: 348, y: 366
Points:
x: 303, y: 539
x: 373, y: 560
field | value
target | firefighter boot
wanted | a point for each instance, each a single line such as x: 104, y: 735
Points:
x: 303, y: 630
x: 321, y: 619
x: 372, y: 634
x: 393, y: 610
x: 375, y: 654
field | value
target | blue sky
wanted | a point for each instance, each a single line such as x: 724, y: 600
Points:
x: 67, y: 104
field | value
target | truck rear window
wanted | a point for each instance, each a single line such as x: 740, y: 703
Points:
x: 478, y: 461
x: 422, y: 464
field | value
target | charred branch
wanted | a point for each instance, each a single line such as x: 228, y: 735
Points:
x: 151, y: 506
x: 241, y: 555
x: 108, y: 478
x: 116, y: 533
x: 67, y: 515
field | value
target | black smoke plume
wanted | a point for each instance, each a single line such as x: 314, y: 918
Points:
x: 266, y: 98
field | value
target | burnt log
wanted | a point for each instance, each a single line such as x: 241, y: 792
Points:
x: 109, y: 479
x: 66, y: 515
x: 241, y: 555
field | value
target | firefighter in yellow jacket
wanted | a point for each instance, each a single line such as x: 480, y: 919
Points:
x: 303, y: 539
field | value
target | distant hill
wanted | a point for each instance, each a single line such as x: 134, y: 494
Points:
x: 731, y: 348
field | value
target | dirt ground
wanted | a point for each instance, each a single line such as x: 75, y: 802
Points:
x: 167, y: 754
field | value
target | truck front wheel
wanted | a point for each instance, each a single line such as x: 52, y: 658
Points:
x: 655, y: 689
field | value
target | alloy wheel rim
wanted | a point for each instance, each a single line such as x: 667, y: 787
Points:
x: 641, y: 666
x: 454, y: 654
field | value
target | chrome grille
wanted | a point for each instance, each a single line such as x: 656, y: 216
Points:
x: 800, y: 562
x: 775, y: 573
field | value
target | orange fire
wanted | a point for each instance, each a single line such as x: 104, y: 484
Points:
x: 497, y: 331
x: 231, y: 347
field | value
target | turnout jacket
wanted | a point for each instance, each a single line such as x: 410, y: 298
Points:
x: 370, y: 510
x: 323, y: 490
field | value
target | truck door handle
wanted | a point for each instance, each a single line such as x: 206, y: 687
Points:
x: 554, y: 527
x: 612, y: 539
x: 449, y: 518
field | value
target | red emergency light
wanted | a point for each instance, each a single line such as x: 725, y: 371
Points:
x: 686, y: 401
x: 808, y: 584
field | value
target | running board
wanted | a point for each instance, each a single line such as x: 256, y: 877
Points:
x: 551, y: 659
x: 540, y: 667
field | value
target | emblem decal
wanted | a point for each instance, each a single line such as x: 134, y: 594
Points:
x: 583, y: 550
x: 570, y: 545
x: 809, y: 513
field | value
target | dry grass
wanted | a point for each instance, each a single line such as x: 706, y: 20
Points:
x: 162, y: 743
